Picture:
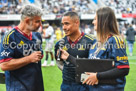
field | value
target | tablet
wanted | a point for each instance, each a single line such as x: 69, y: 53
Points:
x: 94, y: 65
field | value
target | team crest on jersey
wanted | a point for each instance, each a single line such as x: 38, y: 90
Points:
x: 21, y: 43
x: 65, y: 48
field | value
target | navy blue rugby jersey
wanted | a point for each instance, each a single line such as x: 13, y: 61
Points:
x: 16, y: 44
x: 114, y: 48
x: 80, y: 48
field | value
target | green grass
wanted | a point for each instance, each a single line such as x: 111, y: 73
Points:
x: 52, y: 76
x: 131, y: 79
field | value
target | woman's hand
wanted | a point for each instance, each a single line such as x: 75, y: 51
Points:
x: 92, y: 79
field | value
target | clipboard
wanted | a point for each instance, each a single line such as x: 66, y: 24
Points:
x: 2, y: 78
x: 94, y: 65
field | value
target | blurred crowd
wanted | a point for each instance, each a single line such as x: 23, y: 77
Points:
x: 122, y: 6
x: 61, y: 6
x: 87, y: 28
x: 58, y: 32
x: 10, y: 6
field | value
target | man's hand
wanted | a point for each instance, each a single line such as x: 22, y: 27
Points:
x: 64, y: 54
x: 14, y: 64
x: 35, y: 56
x: 92, y: 79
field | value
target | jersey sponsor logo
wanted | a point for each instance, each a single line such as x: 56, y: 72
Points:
x: 124, y: 58
x: 91, y: 56
x: 4, y: 53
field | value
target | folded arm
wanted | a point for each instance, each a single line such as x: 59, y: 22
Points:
x: 14, y: 64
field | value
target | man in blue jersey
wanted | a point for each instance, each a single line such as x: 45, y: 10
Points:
x: 21, y: 52
x: 77, y: 44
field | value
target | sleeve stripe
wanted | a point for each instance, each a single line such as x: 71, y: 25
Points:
x: 122, y: 66
x: 5, y: 60
x: 123, y: 45
x: 89, y: 37
x: 116, y: 41
x: 4, y: 40
x: 119, y: 41
x: 8, y: 37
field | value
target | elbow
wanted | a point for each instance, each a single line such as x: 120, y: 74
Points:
x: 3, y: 68
x: 125, y: 72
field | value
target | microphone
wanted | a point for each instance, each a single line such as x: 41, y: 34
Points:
x: 61, y: 44
x: 38, y: 45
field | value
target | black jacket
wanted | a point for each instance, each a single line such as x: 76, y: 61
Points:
x: 130, y: 34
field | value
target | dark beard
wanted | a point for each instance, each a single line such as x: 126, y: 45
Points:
x: 34, y: 30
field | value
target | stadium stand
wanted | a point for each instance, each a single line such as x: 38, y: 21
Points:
x: 53, y: 10
x: 60, y: 6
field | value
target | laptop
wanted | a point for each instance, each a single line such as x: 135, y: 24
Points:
x: 2, y: 78
x: 94, y: 65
